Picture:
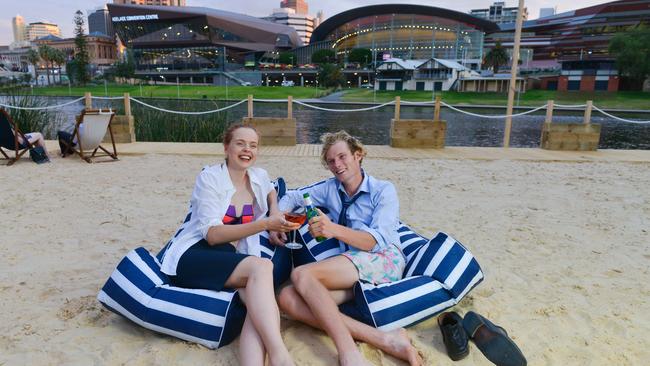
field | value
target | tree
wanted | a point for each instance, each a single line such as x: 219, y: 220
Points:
x: 330, y: 76
x: 287, y: 58
x: 45, y: 53
x: 496, y: 57
x: 81, y: 52
x: 126, y: 68
x: 361, y: 55
x: 631, y: 50
x: 324, y: 56
x: 33, y: 58
x: 57, y: 57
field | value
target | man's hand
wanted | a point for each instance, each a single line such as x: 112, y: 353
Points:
x: 321, y: 225
x: 277, y: 238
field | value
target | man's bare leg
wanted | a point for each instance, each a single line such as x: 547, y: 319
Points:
x: 395, y: 343
x: 313, y: 282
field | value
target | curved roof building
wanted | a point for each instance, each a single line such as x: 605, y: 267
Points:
x: 195, y: 37
x: 406, y: 31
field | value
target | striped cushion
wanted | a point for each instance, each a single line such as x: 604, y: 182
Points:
x: 438, y: 274
x: 446, y: 260
x: 138, y: 290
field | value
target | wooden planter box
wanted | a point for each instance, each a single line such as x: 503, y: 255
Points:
x: 572, y: 136
x: 418, y: 133
x: 274, y: 131
x: 123, y: 130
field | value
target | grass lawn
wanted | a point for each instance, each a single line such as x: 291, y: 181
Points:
x: 625, y: 100
x: 184, y: 91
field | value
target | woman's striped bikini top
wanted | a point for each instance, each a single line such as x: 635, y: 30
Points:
x: 246, y: 216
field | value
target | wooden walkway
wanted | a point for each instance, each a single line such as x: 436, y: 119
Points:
x: 384, y: 151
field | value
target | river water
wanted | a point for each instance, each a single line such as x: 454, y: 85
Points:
x: 373, y: 126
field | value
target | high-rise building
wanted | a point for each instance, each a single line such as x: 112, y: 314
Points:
x: 99, y: 21
x: 499, y: 13
x: 546, y: 12
x: 302, y: 23
x: 42, y: 29
x: 300, y: 6
x: 151, y: 2
x: 18, y: 25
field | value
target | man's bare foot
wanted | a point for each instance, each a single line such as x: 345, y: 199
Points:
x: 353, y: 359
x: 398, y: 344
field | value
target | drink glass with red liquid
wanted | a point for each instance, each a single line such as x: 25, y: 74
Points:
x: 298, y: 217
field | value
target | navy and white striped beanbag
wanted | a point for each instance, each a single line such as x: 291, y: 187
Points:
x: 438, y: 274
x: 138, y: 290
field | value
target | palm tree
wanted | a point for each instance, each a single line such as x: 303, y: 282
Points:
x: 496, y: 57
x: 58, y: 58
x: 45, y: 52
x: 33, y: 58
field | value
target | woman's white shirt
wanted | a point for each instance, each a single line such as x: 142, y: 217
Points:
x: 211, y: 197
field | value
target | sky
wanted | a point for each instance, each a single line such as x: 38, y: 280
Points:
x: 61, y: 12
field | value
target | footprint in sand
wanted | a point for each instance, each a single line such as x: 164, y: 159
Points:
x: 73, y: 307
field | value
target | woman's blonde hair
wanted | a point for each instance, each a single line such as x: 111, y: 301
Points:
x: 329, y: 139
x: 227, y: 135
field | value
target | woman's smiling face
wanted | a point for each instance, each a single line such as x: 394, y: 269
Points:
x: 241, y: 151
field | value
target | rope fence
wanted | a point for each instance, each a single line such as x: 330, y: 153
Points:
x: 41, y: 108
x: 308, y: 105
x: 185, y: 112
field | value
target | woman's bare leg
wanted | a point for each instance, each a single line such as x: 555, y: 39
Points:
x: 251, y: 347
x: 255, y: 276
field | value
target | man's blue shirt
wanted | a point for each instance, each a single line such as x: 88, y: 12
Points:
x: 375, y: 211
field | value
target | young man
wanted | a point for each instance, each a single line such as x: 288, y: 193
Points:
x: 366, y: 211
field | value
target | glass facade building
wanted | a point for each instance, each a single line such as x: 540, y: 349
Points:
x: 190, y: 38
x: 406, y: 32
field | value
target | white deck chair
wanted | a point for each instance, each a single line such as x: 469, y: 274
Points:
x: 90, y: 131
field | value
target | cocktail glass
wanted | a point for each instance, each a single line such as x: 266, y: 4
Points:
x: 297, y: 216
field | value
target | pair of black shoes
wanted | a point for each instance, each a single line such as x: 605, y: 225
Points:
x: 491, y: 340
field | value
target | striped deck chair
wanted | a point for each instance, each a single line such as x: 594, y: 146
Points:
x: 89, y: 131
x: 9, y: 133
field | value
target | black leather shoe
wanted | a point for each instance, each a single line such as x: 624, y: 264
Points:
x: 453, y: 335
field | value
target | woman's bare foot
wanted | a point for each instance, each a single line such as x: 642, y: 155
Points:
x: 398, y: 344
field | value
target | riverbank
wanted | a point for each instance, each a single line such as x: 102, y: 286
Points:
x: 617, y: 100
x: 563, y: 244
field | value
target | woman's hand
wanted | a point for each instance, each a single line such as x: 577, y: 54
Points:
x: 277, y: 238
x: 277, y: 222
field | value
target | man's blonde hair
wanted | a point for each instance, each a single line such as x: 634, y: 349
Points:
x: 329, y: 139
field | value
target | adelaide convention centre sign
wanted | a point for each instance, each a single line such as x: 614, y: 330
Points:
x: 131, y: 18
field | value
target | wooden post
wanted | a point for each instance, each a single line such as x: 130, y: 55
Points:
x: 513, y: 75
x: 289, y: 107
x: 590, y: 104
x: 250, y: 106
x: 89, y: 100
x: 436, y: 111
x: 397, y: 99
x: 127, y: 104
x: 549, y: 112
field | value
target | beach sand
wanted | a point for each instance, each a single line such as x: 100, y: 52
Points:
x: 564, y: 247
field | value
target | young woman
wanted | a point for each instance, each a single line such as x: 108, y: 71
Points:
x: 218, y: 245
